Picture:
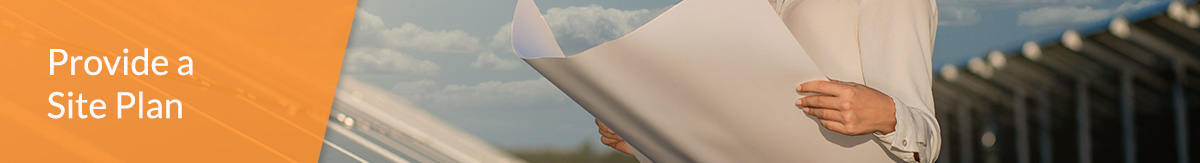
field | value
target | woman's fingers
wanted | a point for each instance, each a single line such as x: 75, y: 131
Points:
x: 622, y: 146
x: 610, y: 135
x: 619, y: 145
x: 606, y: 132
x: 601, y: 125
x: 826, y: 87
x: 609, y: 141
x: 842, y: 82
x: 828, y: 102
x: 825, y: 114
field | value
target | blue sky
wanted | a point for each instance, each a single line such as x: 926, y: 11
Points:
x: 453, y: 58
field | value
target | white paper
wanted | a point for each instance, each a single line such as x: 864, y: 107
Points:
x: 706, y: 81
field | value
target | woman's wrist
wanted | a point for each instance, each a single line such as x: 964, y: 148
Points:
x: 889, y: 122
x: 888, y: 127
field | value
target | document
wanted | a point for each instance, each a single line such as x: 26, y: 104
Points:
x: 706, y: 81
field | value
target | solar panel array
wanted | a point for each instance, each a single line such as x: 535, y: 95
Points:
x: 1124, y: 94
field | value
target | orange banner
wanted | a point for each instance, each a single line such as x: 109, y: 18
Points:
x: 180, y: 81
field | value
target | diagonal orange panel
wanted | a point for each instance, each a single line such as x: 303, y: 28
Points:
x: 264, y: 73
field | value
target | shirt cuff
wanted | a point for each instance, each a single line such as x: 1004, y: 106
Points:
x: 901, y: 142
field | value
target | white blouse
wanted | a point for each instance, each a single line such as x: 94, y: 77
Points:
x: 883, y: 44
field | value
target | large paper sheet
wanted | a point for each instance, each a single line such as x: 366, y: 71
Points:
x: 706, y: 81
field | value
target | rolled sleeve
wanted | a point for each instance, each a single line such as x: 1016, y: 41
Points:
x: 896, y: 39
x: 911, y: 137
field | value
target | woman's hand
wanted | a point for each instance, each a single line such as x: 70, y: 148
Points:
x: 610, y: 138
x: 850, y: 108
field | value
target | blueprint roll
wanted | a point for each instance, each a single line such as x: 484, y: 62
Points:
x: 706, y: 81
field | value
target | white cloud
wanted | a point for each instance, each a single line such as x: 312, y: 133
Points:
x: 957, y: 16
x: 370, y: 30
x: 1061, y: 16
x: 528, y: 89
x: 415, y: 87
x: 360, y: 60
x: 502, y: 40
x: 1134, y: 6
x: 596, y: 24
x: 490, y: 60
x: 483, y: 95
x: 1068, y: 16
x: 579, y: 28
